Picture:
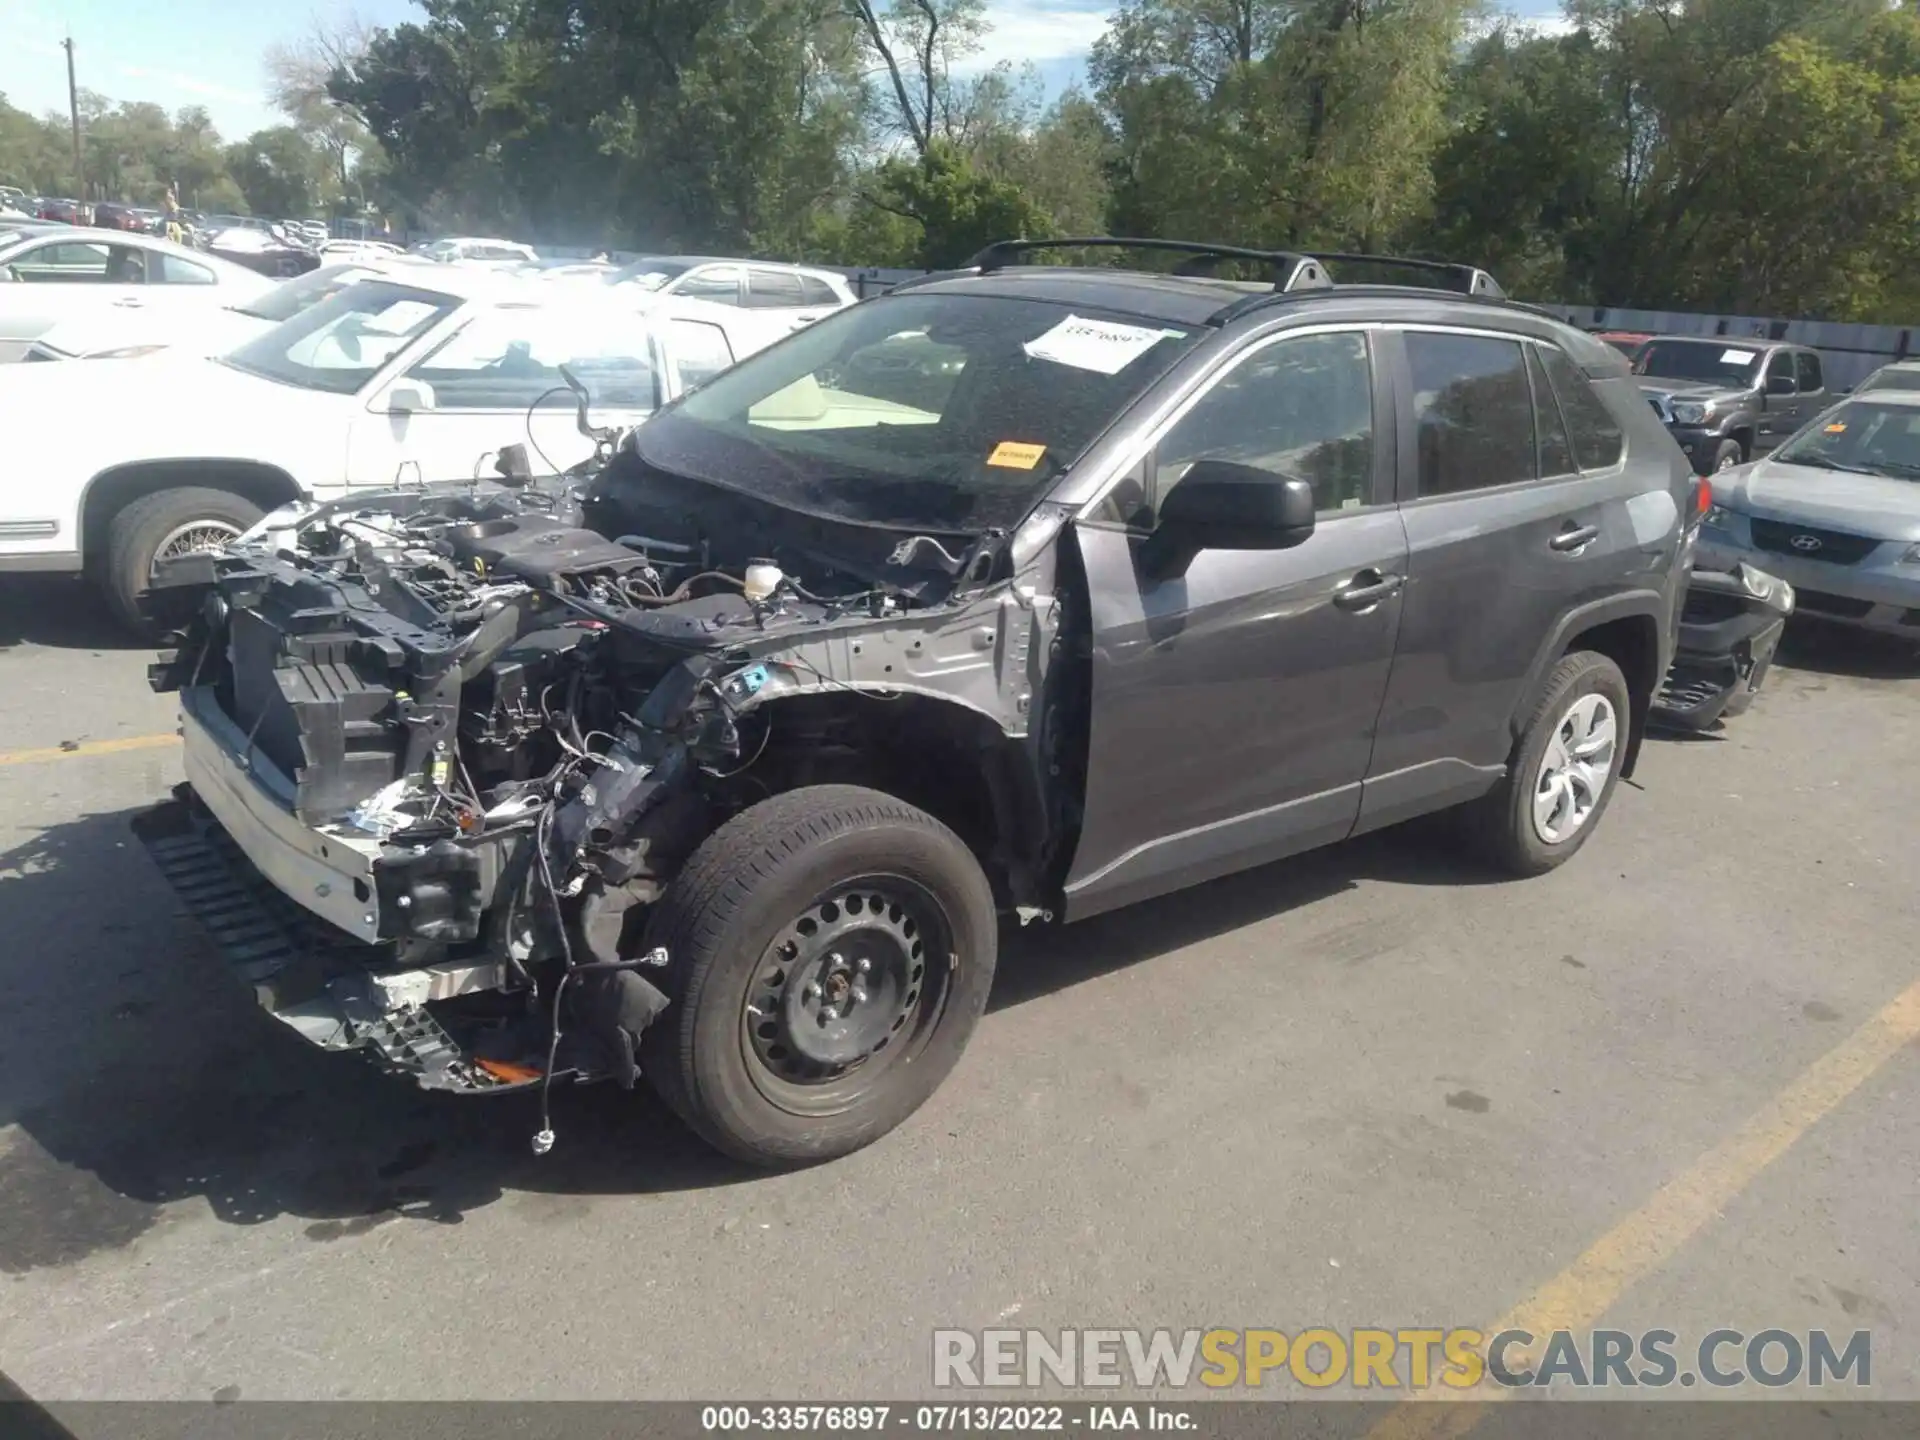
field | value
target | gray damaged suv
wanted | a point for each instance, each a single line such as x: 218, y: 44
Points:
x: 1024, y: 591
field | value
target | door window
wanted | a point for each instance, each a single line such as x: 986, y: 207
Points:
x: 67, y: 263
x: 1556, y: 451
x: 1596, y: 435
x: 1806, y: 367
x: 774, y: 290
x: 1473, y: 410
x: 717, y: 283
x: 700, y: 351
x: 510, y: 358
x: 1298, y: 409
x: 172, y: 270
x: 1781, y: 368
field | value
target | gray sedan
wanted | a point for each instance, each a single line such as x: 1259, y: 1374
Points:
x: 1835, y: 512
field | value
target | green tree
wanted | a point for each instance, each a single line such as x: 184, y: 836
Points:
x: 954, y: 208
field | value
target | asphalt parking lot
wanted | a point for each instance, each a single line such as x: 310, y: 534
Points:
x: 1674, y: 1084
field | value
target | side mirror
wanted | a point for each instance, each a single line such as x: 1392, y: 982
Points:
x: 409, y: 397
x: 1781, y: 385
x: 1221, y: 505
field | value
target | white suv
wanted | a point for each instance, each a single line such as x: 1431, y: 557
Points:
x: 796, y: 292
x: 410, y: 376
x: 464, y: 251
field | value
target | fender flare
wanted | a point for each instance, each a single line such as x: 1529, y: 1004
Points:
x: 1643, y: 603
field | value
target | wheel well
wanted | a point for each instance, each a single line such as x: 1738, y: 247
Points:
x: 113, y: 490
x: 1743, y: 434
x: 952, y: 762
x: 1633, y: 643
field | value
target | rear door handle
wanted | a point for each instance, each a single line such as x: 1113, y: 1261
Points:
x: 1367, y: 589
x: 1576, y: 537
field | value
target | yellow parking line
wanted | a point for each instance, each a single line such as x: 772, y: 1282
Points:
x: 84, y: 748
x: 1641, y: 1243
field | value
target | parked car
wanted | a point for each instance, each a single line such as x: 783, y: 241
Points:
x: 1900, y: 375
x: 115, y: 464
x: 67, y: 212
x: 334, y: 251
x: 117, y: 334
x: 718, y: 771
x: 110, y: 216
x: 12, y: 197
x: 261, y: 251
x: 469, y: 251
x: 67, y: 273
x: 1835, y: 512
x: 802, y: 294
x: 1727, y: 401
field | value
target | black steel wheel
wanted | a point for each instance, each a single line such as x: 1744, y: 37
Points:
x: 845, y: 992
x: 830, y: 951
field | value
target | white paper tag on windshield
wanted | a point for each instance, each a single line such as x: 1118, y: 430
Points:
x: 397, y: 318
x: 1096, y: 345
x: 1735, y: 357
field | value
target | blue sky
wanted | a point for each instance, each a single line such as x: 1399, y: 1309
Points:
x: 210, y: 52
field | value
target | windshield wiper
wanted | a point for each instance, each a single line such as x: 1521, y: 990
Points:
x: 1820, y: 462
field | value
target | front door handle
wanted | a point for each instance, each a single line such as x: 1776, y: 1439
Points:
x: 1575, y: 537
x: 1367, y: 589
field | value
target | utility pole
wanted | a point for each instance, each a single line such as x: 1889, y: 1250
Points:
x: 73, y: 109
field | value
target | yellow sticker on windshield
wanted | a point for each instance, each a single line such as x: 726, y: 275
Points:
x: 1839, y: 427
x: 1012, y: 455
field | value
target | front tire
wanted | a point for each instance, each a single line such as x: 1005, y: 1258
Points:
x: 1564, y: 769
x: 161, y: 525
x: 1726, y: 456
x: 830, y: 951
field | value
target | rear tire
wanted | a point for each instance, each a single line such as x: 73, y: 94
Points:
x: 1556, y: 790
x: 829, y: 953
x: 166, y: 521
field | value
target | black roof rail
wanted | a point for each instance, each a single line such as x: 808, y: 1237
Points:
x: 1470, y: 278
x: 1291, y: 271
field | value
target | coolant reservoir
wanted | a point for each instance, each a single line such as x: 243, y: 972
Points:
x: 763, y: 578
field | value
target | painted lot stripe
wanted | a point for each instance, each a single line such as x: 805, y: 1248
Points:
x: 1645, y: 1240
x: 85, y: 748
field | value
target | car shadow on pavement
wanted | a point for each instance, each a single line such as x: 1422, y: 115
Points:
x: 140, y: 1074
x: 1813, y: 644
x: 60, y: 612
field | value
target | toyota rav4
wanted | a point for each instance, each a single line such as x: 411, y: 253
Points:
x: 1024, y: 591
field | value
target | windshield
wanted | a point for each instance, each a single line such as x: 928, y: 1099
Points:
x: 288, y: 299
x: 1891, y: 377
x: 340, y: 343
x: 1714, y: 361
x: 944, y: 413
x: 1860, y: 435
x: 649, y: 274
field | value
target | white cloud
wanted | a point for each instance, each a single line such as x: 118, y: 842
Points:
x: 1037, y: 33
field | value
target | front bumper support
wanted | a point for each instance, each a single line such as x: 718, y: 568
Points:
x: 309, y: 975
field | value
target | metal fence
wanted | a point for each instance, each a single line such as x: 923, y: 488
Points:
x: 1850, y: 352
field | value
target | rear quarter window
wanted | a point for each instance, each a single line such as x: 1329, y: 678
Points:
x: 1595, y: 435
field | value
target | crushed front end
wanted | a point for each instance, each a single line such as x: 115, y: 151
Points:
x: 445, y: 749
x: 1730, y: 627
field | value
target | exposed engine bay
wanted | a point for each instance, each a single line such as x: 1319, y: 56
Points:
x: 473, y: 731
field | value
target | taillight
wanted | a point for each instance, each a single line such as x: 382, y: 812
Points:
x: 1702, y: 496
